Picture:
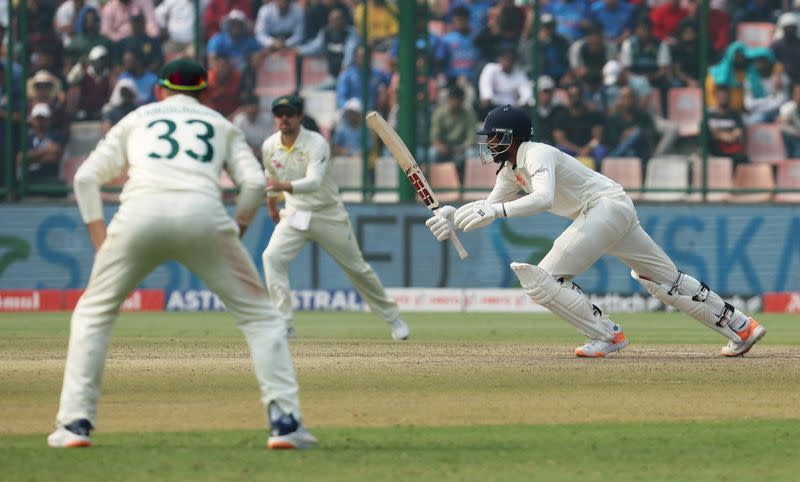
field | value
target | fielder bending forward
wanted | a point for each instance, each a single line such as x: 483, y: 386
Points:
x: 171, y: 209
x: 297, y: 163
x: 604, y: 221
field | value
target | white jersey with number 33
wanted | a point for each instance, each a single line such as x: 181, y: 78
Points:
x: 177, y: 145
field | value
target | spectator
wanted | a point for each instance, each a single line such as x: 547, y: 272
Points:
x: 453, y: 130
x: 89, y: 85
x: 579, y: 131
x: 645, y: 55
x: 590, y: 53
x: 45, y: 88
x: 317, y: 16
x: 224, y: 81
x: 666, y: 19
x: 279, y: 25
x: 115, y: 22
x: 726, y: 128
x: 347, y: 135
x: 503, y: 83
x: 426, y: 42
x: 718, y: 25
x: 509, y: 17
x: 757, y: 11
x: 789, y: 120
x: 40, y: 32
x: 553, y: 50
x: 629, y: 131
x: 133, y: 68
x: 123, y: 101
x: 478, y: 13
x: 594, y: 94
x: 616, y: 17
x: 84, y: 42
x: 382, y: 23
x: 256, y: 124
x: 337, y: 41
x: 45, y: 147
x: 730, y: 72
x: 150, y: 47
x: 547, y: 109
x: 787, y: 47
x: 462, y: 56
x: 685, y: 55
x: 571, y: 17
x: 497, y: 36
x: 236, y: 40
x: 349, y: 85
x: 765, y: 92
x: 217, y: 10
x: 69, y: 18
x: 175, y: 18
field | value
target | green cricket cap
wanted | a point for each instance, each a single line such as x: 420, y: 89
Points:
x: 294, y: 102
x: 183, y: 75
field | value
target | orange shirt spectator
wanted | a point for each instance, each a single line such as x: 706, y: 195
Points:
x: 224, y: 88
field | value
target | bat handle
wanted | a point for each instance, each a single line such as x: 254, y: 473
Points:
x: 462, y: 253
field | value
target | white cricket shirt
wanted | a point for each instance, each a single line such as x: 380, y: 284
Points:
x: 554, y: 181
x: 306, y: 165
x: 178, y: 146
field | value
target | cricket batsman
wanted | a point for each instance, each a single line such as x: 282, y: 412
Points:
x: 297, y: 164
x: 171, y: 209
x: 604, y: 221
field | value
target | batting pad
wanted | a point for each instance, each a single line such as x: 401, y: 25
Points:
x: 563, y: 301
x: 702, y: 311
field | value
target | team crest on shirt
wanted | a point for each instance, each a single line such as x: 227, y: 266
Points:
x: 277, y: 163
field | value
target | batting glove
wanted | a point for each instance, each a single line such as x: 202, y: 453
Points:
x: 477, y: 215
x: 441, y: 223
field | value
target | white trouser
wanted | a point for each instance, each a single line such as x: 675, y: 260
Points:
x: 610, y: 227
x: 331, y: 229
x: 197, y: 232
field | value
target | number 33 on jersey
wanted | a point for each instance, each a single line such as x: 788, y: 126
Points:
x: 178, y: 144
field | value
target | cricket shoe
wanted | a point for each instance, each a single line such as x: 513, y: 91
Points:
x: 750, y: 335
x: 399, y: 330
x: 75, y: 434
x: 596, y: 348
x: 286, y: 432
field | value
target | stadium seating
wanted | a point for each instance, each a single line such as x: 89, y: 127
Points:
x: 719, y: 176
x: 314, y: 72
x: 685, y: 106
x: 788, y: 178
x: 321, y: 105
x: 753, y: 176
x: 667, y: 172
x: 386, y: 176
x: 445, y: 176
x: 627, y: 171
x: 277, y: 75
x: 653, y: 104
x: 83, y: 137
x: 346, y: 172
x: 765, y: 143
x: 69, y: 166
x: 755, y: 34
x: 478, y: 175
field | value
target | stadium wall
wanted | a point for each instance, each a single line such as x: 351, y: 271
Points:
x: 738, y: 250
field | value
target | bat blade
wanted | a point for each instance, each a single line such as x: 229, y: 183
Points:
x: 409, y: 165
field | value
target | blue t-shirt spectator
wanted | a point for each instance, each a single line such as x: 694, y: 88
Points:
x: 238, y: 51
x: 462, y: 55
x: 569, y: 15
x: 616, y: 16
x: 145, y: 85
x: 478, y: 9
x: 437, y: 48
x: 349, y: 85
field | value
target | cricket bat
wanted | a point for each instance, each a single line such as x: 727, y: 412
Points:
x: 410, y: 167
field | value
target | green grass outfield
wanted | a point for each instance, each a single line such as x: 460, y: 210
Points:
x: 470, y: 397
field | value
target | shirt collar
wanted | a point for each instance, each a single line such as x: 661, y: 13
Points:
x: 181, y: 99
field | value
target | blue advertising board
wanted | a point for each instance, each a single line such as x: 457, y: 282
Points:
x: 742, y: 250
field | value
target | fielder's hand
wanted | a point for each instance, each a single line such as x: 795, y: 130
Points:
x: 441, y: 223
x: 477, y: 215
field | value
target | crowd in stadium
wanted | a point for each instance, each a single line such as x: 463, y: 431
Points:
x: 614, y: 73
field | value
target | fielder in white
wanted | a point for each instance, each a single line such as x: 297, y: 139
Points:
x: 297, y: 164
x: 604, y: 221
x: 171, y: 209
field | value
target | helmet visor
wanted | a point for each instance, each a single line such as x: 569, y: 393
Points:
x: 495, y: 144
